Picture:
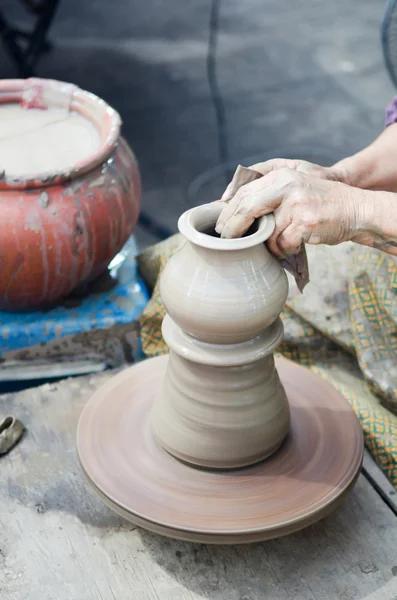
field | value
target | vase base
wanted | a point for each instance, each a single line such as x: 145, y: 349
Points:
x: 225, y: 466
x: 311, y: 472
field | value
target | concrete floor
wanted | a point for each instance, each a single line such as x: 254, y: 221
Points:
x: 304, y: 78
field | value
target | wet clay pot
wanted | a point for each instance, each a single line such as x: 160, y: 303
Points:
x: 222, y: 404
x: 60, y: 227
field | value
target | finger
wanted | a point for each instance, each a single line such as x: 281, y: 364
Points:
x: 315, y: 239
x: 282, y: 219
x: 237, y: 225
x: 251, y: 199
x: 271, y: 165
x: 226, y: 213
x: 290, y: 240
x: 249, y: 206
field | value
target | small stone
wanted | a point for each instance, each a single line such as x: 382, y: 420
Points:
x: 40, y: 508
x: 11, y: 431
x: 368, y: 567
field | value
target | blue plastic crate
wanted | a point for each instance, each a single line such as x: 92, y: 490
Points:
x: 122, y: 304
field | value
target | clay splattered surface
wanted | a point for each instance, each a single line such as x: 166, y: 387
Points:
x: 59, y: 540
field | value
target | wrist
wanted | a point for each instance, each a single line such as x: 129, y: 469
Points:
x: 339, y: 172
x: 375, y: 215
x: 379, y: 225
x: 364, y: 214
x: 356, y: 170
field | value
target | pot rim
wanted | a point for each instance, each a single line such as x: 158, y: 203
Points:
x: 192, y: 222
x: 44, y: 93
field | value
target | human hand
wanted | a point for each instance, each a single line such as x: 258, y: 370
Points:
x: 301, y: 166
x: 307, y: 208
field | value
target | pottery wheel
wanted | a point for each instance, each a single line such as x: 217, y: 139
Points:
x: 304, y: 480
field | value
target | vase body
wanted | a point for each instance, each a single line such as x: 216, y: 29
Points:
x: 61, y: 229
x: 222, y: 404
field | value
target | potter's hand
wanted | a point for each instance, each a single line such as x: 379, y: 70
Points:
x: 307, y: 209
x: 335, y: 173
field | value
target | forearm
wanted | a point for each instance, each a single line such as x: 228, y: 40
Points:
x: 375, y: 167
x: 376, y: 221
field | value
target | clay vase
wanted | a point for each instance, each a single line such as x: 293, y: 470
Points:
x: 61, y: 228
x: 222, y: 404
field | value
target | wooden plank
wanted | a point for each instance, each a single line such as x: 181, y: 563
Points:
x: 59, y: 542
x: 379, y: 481
x: 87, y: 352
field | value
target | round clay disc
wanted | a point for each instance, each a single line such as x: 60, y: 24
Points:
x: 304, y: 480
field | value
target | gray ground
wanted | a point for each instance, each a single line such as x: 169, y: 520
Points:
x: 301, y: 77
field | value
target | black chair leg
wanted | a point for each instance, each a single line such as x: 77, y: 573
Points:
x: 26, y: 58
x: 38, y: 43
x: 8, y: 37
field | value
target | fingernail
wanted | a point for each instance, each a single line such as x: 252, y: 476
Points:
x: 229, y: 232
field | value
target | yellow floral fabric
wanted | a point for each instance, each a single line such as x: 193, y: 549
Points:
x: 344, y: 328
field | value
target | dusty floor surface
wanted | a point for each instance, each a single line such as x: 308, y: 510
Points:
x: 296, y: 78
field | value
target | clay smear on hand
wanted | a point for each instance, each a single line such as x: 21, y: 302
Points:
x: 297, y: 264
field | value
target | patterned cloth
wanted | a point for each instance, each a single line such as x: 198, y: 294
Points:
x: 344, y: 328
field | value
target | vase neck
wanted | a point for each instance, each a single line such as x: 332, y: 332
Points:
x: 198, y: 226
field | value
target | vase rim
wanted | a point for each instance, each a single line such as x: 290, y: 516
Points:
x: 193, y: 223
x: 42, y: 94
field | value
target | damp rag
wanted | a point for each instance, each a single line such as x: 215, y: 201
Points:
x: 297, y: 264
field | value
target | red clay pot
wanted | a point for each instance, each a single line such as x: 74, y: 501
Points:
x: 61, y: 229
